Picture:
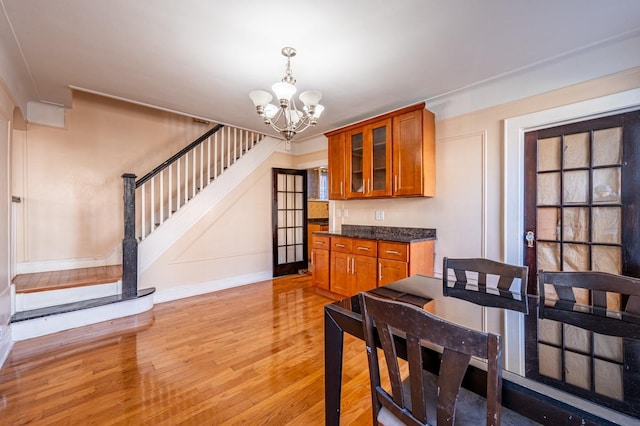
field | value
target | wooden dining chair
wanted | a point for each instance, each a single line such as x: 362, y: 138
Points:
x: 590, y: 288
x: 487, y: 282
x: 425, y: 398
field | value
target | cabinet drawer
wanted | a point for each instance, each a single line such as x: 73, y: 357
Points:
x: 320, y: 242
x: 341, y: 244
x: 365, y: 247
x: 393, y: 251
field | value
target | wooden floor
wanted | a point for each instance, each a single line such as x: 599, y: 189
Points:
x: 53, y: 280
x: 249, y: 355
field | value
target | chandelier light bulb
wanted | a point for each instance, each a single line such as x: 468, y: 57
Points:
x: 284, y: 91
x: 310, y: 97
x: 260, y: 98
x: 270, y: 111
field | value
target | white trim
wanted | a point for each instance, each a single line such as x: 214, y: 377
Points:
x: 5, y: 331
x: 6, y: 343
x: 54, y: 323
x: 588, y: 63
x: 64, y: 264
x: 513, y: 191
x: 189, y: 290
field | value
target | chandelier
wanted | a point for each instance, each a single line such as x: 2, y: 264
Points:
x: 287, y: 119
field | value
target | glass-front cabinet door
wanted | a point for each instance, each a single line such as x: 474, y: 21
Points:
x: 369, y: 156
x: 356, y: 157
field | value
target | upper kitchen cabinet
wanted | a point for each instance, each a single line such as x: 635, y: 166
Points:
x: 414, y: 154
x: 387, y: 156
x: 368, y: 163
x: 337, y: 165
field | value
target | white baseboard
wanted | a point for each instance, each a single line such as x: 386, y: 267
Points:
x: 23, y: 330
x: 64, y: 264
x: 6, y: 343
x: 175, y: 293
x: 43, y: 299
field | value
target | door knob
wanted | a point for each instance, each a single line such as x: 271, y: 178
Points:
x: 530, y: 238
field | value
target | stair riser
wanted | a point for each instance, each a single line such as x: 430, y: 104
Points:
x: 52, y: 324
x: 43, y: 299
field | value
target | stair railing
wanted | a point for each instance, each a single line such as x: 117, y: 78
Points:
x: 169, y: 186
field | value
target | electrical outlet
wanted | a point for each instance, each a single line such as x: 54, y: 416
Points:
x: 345, y: 213
x: 379, y: 214
x: 338, y: 212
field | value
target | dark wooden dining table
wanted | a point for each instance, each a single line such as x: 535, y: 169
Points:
x: 563, y: 365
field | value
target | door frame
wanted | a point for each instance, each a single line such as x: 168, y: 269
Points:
x: 514, y: 129
x: 292, y: 267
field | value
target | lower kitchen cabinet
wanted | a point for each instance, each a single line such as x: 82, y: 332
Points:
x: 320, y: 261
x: 401, y: 260
x: 353, y: 265
x: 347, y: 265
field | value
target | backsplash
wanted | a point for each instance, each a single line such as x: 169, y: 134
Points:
x: 317, y: 209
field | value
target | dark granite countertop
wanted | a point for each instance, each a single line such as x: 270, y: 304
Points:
x: 384, y: 233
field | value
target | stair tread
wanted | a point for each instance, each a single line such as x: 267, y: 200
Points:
x: 55, y: 280
x: 77, y: 306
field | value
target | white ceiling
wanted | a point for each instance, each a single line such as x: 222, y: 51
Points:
x: 202, y: 57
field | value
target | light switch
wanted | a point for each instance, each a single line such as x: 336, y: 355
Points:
x: 345, y: 213
x: 338, y: 212
x: 379, y: 214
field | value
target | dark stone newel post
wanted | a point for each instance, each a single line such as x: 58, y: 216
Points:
x: 129, y: 243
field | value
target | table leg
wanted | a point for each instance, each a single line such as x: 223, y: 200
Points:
x: 333, y: 344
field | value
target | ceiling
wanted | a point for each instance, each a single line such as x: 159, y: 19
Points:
x: 202, y: 57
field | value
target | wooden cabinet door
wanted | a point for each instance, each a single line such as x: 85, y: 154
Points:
x: 340, y: 273
x: 407, y: 154
x: 320, y: 265
x: 379, y: 171
x: 368, y: 151
x: 337, y: 164
x: 364, y: 273
x: 357, y: 163
x: 391, y: 270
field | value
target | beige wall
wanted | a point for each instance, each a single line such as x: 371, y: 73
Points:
x: 232, y: 240
x: 70, y: 179
x: 467, y: 210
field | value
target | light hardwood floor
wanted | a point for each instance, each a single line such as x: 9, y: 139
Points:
x: 249, y: 355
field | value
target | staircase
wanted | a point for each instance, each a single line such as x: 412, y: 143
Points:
x: 49, y: 302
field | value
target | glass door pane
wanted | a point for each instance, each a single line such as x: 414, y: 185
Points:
x: 379, y: 139
x: 356, y: 141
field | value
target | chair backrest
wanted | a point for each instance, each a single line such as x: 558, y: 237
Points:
x: 397, y: 322
x: 499, y: 292
x: 596, y: 286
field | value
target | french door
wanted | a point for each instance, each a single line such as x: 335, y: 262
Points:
x: 289, y: 221
x: 582, y: 197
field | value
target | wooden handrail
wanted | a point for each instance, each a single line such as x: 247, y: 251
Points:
x: 178, y: 155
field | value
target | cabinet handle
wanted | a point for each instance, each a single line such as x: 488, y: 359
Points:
x: 341, y: 193
x: 363, y: 248
x: 395, y: 183
x: 320, y: 242
x: 353, y: 265
x: 392, y: 252
x: 348, y: 261
x: 312, y: 253
x: 379, y: 271
x: 340, y: 245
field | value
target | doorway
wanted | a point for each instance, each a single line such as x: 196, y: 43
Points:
x: 581, y: 203
x: 289, y: 224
